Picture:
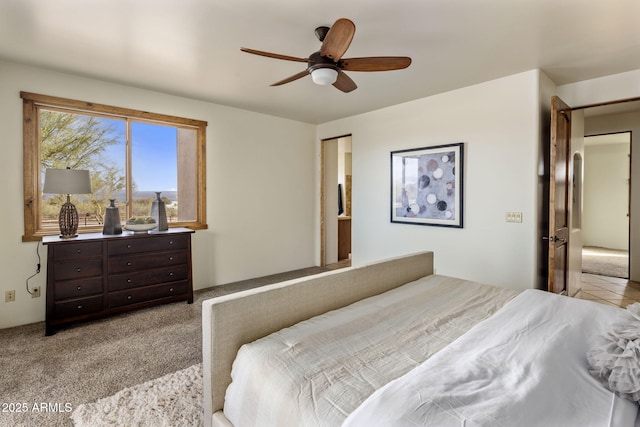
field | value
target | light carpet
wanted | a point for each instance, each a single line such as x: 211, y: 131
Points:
x: 605, y: 262
x: 172, y: 400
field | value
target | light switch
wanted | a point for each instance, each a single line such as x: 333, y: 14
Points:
x: 514, y: 217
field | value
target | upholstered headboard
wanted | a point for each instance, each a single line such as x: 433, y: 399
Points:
x: 232, y: 320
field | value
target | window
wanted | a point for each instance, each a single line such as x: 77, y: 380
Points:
x: 131, y: 155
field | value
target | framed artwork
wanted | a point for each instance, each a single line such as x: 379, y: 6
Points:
x: 427, y: 185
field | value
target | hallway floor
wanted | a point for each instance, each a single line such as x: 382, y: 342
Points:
x: 610, y: 290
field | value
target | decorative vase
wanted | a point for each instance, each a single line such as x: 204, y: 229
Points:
x: 112, y: 219
x: 159, y: 213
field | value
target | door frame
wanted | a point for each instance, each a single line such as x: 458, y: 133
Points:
x: 558, y: 233
x: 543, y: 253
x: 323, y: 195
x: 633, y: 248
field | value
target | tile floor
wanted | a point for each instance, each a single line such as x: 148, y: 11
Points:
x: 610, y: 290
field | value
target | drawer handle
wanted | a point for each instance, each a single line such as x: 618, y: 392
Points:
x: 129, y: 264
x: 79, y: 288
x: 78, y: 270
x: 79, y: 307
x: 170, y: 289
x: 129, y: 297
x: 171, y: 273
x: 171, y: 242
x: 128, y: 280
x: 128, y: 246
x: 170, y: 258
x: 78, y: 251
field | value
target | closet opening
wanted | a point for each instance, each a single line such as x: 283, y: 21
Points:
x: 335, y: 202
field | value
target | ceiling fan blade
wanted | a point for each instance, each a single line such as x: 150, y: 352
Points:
x: 375, y: 63
x: 273, y: 55
x: 344, y: 83
x: 338, y: 39
x: 300, y: 75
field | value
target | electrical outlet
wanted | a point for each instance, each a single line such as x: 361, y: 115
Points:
x: 36, y: 292
x: 9, y: 296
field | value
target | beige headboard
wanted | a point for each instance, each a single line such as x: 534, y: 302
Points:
x: 232, y: 320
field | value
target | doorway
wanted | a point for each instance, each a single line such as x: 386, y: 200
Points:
x: 594, y: 119
x: 609, y: 120
x: 335, y: 201
x: 606, y: 204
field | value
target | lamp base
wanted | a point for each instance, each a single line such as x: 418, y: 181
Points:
x: 68, y: 220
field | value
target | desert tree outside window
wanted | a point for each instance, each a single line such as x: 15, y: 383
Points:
x: 130, y: 154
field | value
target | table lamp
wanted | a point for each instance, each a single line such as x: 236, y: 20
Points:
x: 67, y: 181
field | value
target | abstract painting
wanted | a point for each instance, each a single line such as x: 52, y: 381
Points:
x: 427, y: 185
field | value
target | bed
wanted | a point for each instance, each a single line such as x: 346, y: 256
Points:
x: 393, y: 344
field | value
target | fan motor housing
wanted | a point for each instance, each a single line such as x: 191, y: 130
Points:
x: 318, y: 61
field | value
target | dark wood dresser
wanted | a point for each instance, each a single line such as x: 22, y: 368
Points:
x: 96, y: 275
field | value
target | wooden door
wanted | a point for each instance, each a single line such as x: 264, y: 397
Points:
x: 558, y: 234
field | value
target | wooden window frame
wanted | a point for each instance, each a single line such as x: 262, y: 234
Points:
x: 31, y: 155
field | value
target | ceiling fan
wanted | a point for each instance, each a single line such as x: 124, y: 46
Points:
x: 327, y: 66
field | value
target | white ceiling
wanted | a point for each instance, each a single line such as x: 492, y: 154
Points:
x: 192, y: 47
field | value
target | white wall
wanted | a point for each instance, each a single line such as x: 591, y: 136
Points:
x: 499, y: 123
x: 261, y: 186
x: 606, y: 196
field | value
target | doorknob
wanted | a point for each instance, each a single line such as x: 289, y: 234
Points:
x: 555, y: 239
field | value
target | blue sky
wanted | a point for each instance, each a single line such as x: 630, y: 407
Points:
x: 154, y: 157
x: 153, y: 152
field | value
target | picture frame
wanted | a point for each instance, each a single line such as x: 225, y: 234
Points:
x: 427, y: 185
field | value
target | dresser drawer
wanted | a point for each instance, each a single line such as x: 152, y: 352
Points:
x: 77, y: 307
x: 147, y: 293
x: 77, y: 288
x: 121, y: 264
x: 156, y: 276
x: 75, y: 269
x: 77, y: 250
x: 150, y: 243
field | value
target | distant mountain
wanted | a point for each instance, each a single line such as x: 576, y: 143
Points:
x: 171, y: 195
x: 120, y: 195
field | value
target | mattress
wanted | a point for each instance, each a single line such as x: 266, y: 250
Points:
x: 525, y: 366
x: 319, y: 371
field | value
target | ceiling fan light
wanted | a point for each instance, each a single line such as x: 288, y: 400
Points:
x: 324, y: 76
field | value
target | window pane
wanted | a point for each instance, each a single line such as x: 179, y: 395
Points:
x: 81, y: 141
x: 154, y: 168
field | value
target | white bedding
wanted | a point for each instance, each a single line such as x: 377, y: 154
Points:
x: 319, y: 371
x: 524, y: 366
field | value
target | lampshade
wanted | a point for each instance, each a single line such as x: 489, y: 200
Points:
x: 67, y: 181
x: 324, y: 76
